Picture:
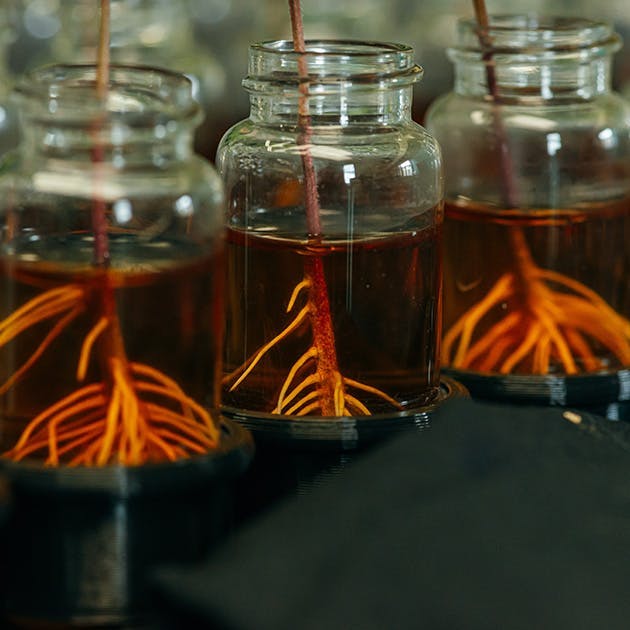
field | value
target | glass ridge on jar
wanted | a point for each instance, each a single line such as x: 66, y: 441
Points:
x: 351, y: 313
x: 151, y: 273
x: 537, y: 210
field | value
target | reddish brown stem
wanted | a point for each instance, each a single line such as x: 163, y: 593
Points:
x: 102, y: 74
x: 99, y: 221
x: 111, y: 340
x: 112, y: 343
x: 507, y: 180
x: 508, y: 184
x: 323, y: 333
x: 304, y: 122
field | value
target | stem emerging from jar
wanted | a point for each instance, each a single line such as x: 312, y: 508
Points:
x: 99, y: 219
x: 311, y: 198
x: 323, y: 333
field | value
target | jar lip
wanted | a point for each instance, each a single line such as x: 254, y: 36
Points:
x: 537, y: 34
x: 330, y: 62
x: 137, y: 94
x: 334, y: 47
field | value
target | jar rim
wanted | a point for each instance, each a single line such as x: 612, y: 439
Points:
x: 135, y: 94
x: 537, y: 34
x: 332, y: 47
x: 331, y: 62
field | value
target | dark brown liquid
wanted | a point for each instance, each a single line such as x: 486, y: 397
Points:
x: 384, y: 295
x: 587, y: 244
x: 170, y: 315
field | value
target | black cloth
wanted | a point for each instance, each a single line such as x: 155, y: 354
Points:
x: 497, y: 517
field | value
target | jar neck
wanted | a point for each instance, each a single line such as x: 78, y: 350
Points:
x: 349, y: 82
x: 120, y: 146
x: 147, y: 117
x: 346, y: 107
x: 535, y: 58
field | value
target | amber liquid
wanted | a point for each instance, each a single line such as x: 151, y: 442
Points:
x: 169, y: 304
x: 587, y: 244
x: 384, y: 293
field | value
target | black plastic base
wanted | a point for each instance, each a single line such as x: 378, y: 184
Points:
x: 79, y: 543
x: 605, y: 394
x: 295, y: 455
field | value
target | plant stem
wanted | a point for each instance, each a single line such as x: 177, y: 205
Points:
x: 508, y: 182
x: 112, y: 340
x: 323, y: 333
x: 99, y: 222
x: 102, y: 64
x: 304, y: 123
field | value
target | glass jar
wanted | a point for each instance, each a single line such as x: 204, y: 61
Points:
x: 111, y: 273
x: 147, y: 32
x: 334, y: 231
x: 157, y: 33
x: 537, y: 212
x: 9, y: 124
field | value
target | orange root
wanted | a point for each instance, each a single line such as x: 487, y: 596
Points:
x: 93, y: 428
x: 66, y: 301
x: 140, y: 415
x: 305, y: 395
x: 560, y: 326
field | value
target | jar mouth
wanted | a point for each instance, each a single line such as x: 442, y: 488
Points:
x: 536, y: 35
x: 137, y: 95
x: 331, y: 62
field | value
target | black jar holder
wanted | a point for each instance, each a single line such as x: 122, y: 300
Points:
x: 79, y: 543
x: 605, y: 394
x: 293, y: 456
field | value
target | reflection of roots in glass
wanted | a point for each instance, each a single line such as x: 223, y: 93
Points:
x: 139, y: 414
x: 559, y: 324
x: 314, y: 384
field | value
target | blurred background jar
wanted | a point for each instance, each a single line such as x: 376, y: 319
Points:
x: 537, y: 160
x: 217, y: 33
x: 111, y: 329
x: 157, y: 33
x: 9, y: 123
x: 124, y: 211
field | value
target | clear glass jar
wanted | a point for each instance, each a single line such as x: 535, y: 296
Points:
x: 146, y: 32
x: 9, y: 124
x: 111, y: 272
x: 334, y: 311
x: 537, y: 212
x: 157, y: 33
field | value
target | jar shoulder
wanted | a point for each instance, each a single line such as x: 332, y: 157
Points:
x: 78, y: 179
x: 406, y: 140
x: 454, y: 111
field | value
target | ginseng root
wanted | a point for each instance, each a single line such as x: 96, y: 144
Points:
x: 136, y: 415
x: 555, y: 321
x: 314, y: 385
